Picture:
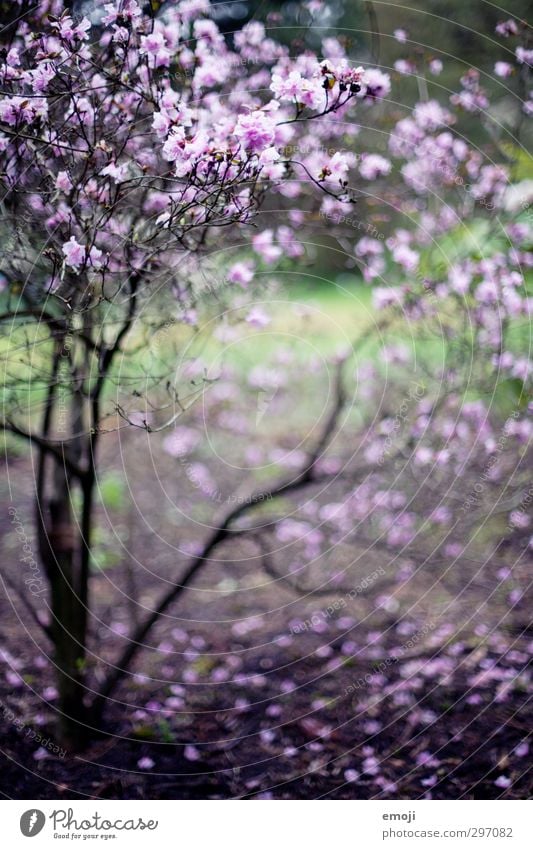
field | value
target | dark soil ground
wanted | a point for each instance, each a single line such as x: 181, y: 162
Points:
x: 244, y: 693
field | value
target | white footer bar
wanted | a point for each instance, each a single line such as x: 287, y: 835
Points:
x: 268, y: 824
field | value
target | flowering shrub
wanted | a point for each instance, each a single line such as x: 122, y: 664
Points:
x: 451, y: 262
x: 128, y: 143
x: 131, y: 144
x: 124, y: 138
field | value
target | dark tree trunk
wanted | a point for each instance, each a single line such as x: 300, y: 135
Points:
x: 66, y: 555
x: 69, y: 616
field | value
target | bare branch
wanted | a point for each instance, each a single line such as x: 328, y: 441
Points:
x: 48, y: 446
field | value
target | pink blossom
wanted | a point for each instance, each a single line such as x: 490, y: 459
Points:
x: 275, y: 171
x: 258, y: 318
x: 263, y: 244
x: 154, y: 47
x: 405, y: 66
x: 507, y: 28
x: 519, y: 519
x: 289, y: 243
x: 208, y: 34
x: 400, y: 35
x: 50, y: 693
x: 83, y: 28
x: 253, y: 33
x: 351, y: 77
x: 406, y: 257
x: 488, y: 292
x: 382, y: 298
x: 185, y: 152
x: 522, y: 368
x: 524, y: 56
x: 435, y: 67
x: 156, y: 202
x: 120, y: 34
x: 368, y: 247
x: 459, y: 279
x: 426, y: 759
x: 116, y: 172
x: 112, y: 10
x: 336, y: 169
x: 423, y: 455
x: 95, y: 257
x: 441, y: 515
x: 333, y: 49
x: 75, y: 254
x: 255, y: 131
x: 13, y: 58
x: 40, y: 77
x: 173, y: 147
x: 63, y: 182
x: 241, y: 273
x: 373, y: 165
x: 269, y: 156
x: 376, y: 84
x: 181, y: 441
x: 289, y: 87
x: 145, y: 763
x: 161, y: 124
x: 503, y: 69
x: 81, y: 111
x: 69, y: 31
x: 13, y: 109
x: 430, y: 115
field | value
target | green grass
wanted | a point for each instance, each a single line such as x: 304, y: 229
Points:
x: 311, y: 317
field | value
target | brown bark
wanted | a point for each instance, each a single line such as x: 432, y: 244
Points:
x: 68, y: 627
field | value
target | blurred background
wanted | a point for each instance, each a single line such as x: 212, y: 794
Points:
x: 300, y: 664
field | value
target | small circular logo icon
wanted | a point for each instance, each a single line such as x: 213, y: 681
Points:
x: 32, y: 822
